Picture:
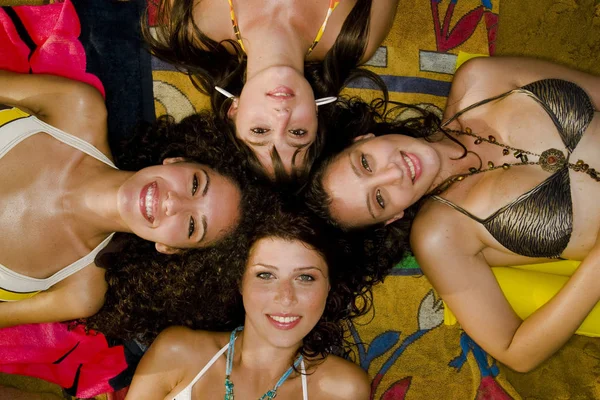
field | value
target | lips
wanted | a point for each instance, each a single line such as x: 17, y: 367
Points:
x: 284, y: 321
x: 149, y: 201
x: 413, y: 164
x: 281, y: 93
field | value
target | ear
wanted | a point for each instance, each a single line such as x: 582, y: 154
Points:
x: 233, y: 109
x: 164, y: 249
x: 395, y: 218
x: 363, y: 137
x: 173, y: 160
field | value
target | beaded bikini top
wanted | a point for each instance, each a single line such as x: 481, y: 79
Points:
x: 539, y: 223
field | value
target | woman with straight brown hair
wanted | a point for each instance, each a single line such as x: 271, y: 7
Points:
x: 264, y: 64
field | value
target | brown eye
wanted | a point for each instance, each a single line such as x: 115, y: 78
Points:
x: 194, y: 185
x: 298, y: 132
x: 379, y: 199
x: 365, y: 163
x: 259, y: 131
x: 191, y: 228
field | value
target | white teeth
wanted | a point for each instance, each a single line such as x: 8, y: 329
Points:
x: 284, y: 320
x: 281, y: 95
x: 149, y: 197
x: 411, y: 166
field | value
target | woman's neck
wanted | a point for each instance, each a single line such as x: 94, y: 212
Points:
x: 451, y: 163
x: 91, y: 201
x: 269, y: 45
x: 259, y: 356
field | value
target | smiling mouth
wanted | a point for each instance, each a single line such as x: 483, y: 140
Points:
x: 281, y: 93
x: 410, y: 164
x: 148, y: 201
x: 284, y: 322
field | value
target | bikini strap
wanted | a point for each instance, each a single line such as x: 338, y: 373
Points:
x: 236, y: 28
x: 304, y: 383
x: 457, y: 208
x: 332, y: 6
x: 209, y: 364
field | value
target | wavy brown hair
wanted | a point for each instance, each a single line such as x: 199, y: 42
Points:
x: 385, y: 244
x: 351, y: 275
x: 209, y: 63
x: 149, y: 291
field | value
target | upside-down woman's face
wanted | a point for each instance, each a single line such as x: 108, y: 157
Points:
x: 276, y: 110
x: 285, y: 290
x: 377, y: 178
x: 179, y: 205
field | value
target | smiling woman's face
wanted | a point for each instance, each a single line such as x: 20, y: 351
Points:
x: 179, y: 205
x: 276, y: 111
x: 377, y: 178
x: 285, y: 290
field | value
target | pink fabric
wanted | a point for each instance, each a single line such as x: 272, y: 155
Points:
x: 35, y: 350
x: 54, y: 29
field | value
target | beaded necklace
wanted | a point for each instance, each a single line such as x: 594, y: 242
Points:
x: 551, y: 160
x: 269, y: 395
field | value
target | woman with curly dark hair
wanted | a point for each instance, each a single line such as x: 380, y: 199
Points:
x: 63, y: 197
x: 276, y: 60
x: 298, y: 283
x: 508, y: 176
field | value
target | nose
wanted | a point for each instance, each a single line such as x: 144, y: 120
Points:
x: 173, y: 204
x: 392, y: 174
x: 286, y: 294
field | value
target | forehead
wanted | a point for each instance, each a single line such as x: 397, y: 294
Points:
x: 285, y: 254
x: 347, y: 191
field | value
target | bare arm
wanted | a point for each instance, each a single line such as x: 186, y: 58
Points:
x: 72, y: 106
x: 383, y: 13
x: 163, y: 366
x: 460, y: 274
x: 483, y: 77
x: 78, y: 296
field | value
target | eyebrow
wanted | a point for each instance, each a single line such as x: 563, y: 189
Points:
x: 207, y: 183
x: 204, y: 229
x: 204, y: 223
x: 266, y: 142
x: 310, y: 267
x: 359, y: 175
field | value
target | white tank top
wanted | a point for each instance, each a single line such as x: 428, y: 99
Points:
x: 16, y: 126
x: 186, y: 393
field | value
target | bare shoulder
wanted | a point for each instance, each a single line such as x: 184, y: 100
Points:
x: 337, y: 378
x: 439, y: 232
x: 185, y: 344
x: 381, y: 21
x: 477, y: 79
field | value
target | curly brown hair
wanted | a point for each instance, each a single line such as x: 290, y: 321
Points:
x: 149, y: 291
x: 351, y: 275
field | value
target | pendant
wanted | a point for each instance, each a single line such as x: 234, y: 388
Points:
x: 228, y: 389
x: 552, y: 160
x: 270, y: 395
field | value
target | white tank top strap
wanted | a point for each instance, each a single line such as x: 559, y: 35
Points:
x: 304, y: 383
x: 210, y: 363
x: 20, y: 129
x: 186, y: 393
x: 16, y: 282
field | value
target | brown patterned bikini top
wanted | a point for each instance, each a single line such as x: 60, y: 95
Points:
x: 539, y: 223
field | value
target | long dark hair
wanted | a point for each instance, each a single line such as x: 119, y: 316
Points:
x: 354, y: 117
x: 149, y: 291
x: 208, y: 63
